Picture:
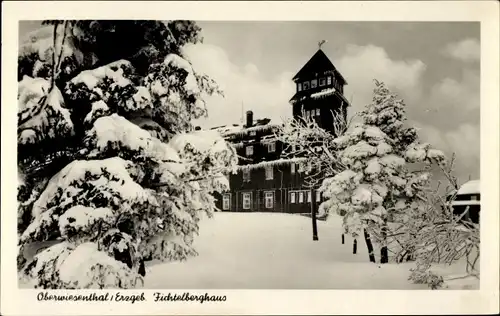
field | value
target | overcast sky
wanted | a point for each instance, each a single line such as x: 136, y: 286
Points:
x: 433, y: 66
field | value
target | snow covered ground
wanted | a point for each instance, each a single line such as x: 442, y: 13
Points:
x: 276, y: 251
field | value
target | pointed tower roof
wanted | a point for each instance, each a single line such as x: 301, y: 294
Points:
x: 319, y: 63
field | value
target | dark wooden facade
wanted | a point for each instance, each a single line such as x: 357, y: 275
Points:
x: 266, y: 181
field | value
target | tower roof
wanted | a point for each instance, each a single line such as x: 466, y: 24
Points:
x: 319, y: 63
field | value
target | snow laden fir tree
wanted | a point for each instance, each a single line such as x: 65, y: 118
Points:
x: 376, y: 174
x: 376, y: 186
x: 112, y: 171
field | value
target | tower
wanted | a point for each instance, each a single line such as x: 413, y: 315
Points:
x: 319, y: 91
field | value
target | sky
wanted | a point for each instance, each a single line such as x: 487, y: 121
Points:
x: 433, y: 66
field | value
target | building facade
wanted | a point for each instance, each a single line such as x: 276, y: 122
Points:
x: 268, y: 179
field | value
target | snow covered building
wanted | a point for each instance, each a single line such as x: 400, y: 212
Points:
x: 267, y: 180
x: 467, y: 198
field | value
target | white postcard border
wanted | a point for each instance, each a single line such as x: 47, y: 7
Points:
x: 485, y: 300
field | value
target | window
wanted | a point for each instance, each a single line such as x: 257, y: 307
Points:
x: 292, y: 167
x: 318, y: 196
x: 253, y: 133
x: 299, y: 86
x: 306, y: 85
x: 308, y: 196
x: 329, y: 80
x: 271, y: 147
x: 317, y: 112
x: 322, y: 82
x: 247, y: 201
x: 246, y: 174
x: 269, y: 173
x: 301, y: 167
x: 269, y: 199
x: 308, y: 167
x: 292, y: 197
x: 308, y: 114
x: 301, y: 197
x: 314, y: 83
x: 226, y: 201
x: 249, y: 150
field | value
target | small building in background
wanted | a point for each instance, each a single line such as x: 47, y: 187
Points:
x: 467, y: 198
x: 267, y: 179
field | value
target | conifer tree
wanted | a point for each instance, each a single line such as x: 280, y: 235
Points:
x: 379, y: 186
x: 111, y: 169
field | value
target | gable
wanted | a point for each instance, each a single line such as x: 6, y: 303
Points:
x: 319, y: 63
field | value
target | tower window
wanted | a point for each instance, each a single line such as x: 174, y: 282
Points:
x: 292, y: 167
x: 329, y: 80
x: 317, y: 112
x: 314, y: 83
x: 322, y: 82
x: 299, y: 86
x: 306, y: 85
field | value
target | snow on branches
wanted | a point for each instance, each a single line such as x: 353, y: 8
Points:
x: 41, y: 112
x: 367, y: 168
x: 374, y: 154
x: 61, y: 266
x: 136, y: 176
x: 90, y: 183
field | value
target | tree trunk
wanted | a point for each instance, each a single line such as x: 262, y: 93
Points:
x: 354, y: 247
x: 142, y: 269
x: 313, y: 215
x: 384, y: 252
x: 343, y: 240
x: 369, y: 245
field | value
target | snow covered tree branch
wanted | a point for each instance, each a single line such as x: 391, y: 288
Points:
x: 369, y: 174
x: 91, y: 158
x: 304, y: 137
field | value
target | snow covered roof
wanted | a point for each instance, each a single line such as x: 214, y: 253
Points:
x: 272, y: 163
x: 470, y: 187
x: 253, y: 129
x: 323, y: 93
x: 240, y: 130
x: 227, y: 128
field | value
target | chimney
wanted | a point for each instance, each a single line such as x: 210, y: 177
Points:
x: 249, y: 119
